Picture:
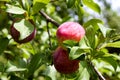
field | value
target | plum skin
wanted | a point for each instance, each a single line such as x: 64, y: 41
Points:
x: 62, y: 63
x: 70, y: 31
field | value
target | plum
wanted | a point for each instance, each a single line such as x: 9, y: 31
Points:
x: 16, y: 34
x: 62, y: 62
x: 70, y: 31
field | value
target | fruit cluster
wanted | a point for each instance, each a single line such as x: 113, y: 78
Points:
x: 67, y: 31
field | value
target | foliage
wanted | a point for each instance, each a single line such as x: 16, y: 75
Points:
x: 33, y: 60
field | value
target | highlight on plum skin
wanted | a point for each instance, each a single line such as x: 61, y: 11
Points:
x: 70, y: 31
x: 62, y: 63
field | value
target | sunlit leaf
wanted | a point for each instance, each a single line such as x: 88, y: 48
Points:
x: 96, y: 41
x: 91, y: 4
x: 26, y: 54
x: 14, y: 68
x: 5, y: 0
x: 75, y: 52
x: 104, y: 30
x: 91, y: 28
x: 84, y: 43
x: 83, y: 72
x: 110, y: 60
x: 114, y: 44
x: 28, y: 47
x: 39, y: 4
x: 69, y: 43
x: 93, y: 22
x: 84, y: 75
x: 41, y: 1
x: 14, y: 9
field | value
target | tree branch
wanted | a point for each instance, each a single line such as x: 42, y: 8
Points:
x: 101, y: 77
x: 49, y: 19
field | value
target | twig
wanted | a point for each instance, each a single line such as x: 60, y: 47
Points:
x: 101, y: 77
x: 49, y: 19
x: 49, y: 35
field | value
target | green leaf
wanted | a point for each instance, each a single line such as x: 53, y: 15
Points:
x: 2, y: 67
x: 35, y: 63
x: 69, y: 43
x: 75, y: 52
x: 114, y: 44
x: 14, y: 9
x: 14, y: 77
x: 79, y: 9
x: 41, y: 1
x: 96, y: 41
x: 27, y: 50
x: 70, y: 3
x: 84, y: 75
x: 37, y: 7
x: 5, y: 0
x: 84, y: 43
x: 98, y: 54
x: 110, y: 60
x: 93, y: 22
x: 3, y: 44
x: 90, y: 34
x: 26, y: 54
x: 104, y: 30
x: 14, y: 68
x: 115, y: 56
x: 91, y: 4
x: 39, y: 4
x: 91, y: 28
x: 24, y: 27
x: 25, y: 4
x: 83, y: 72
x: 46, y: 77
x: 81, y: 57
x: 28, y: 47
